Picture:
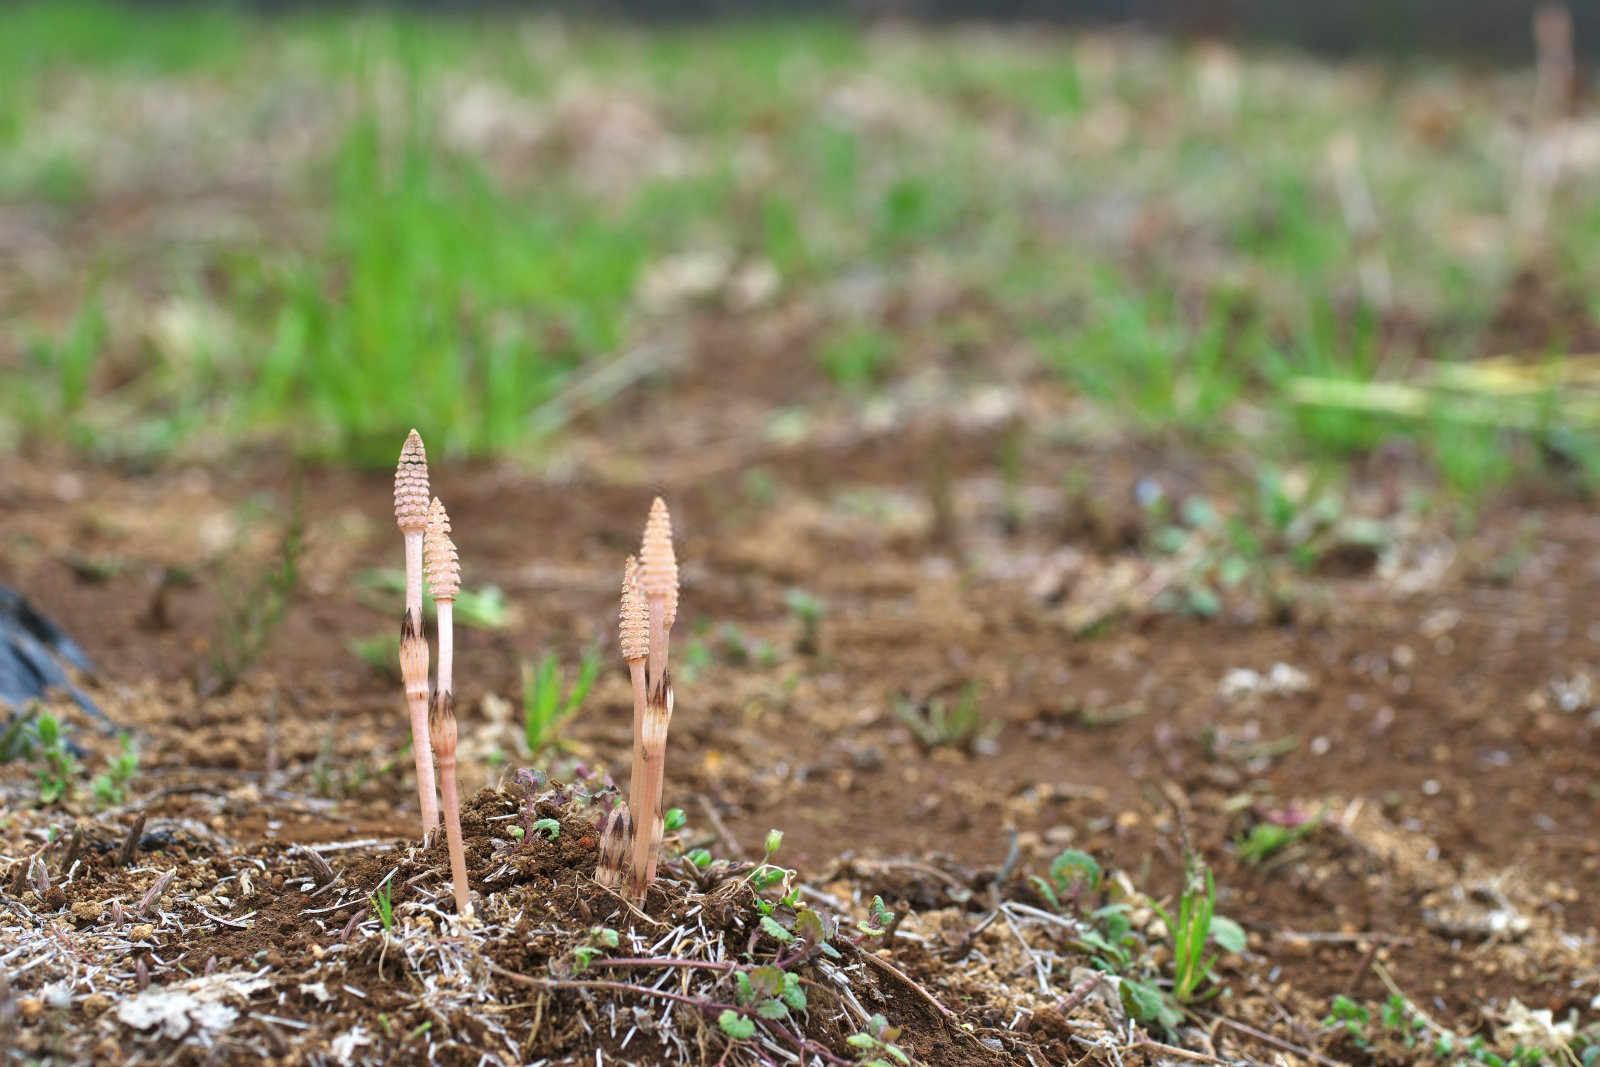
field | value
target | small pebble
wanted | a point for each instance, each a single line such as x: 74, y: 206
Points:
x: 142, y: 932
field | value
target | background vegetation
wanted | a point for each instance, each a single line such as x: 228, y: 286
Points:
x: 230, y: 229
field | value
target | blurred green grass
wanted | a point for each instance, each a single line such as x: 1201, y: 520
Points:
x: 347, y: 220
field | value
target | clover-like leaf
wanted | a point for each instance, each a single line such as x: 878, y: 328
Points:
x: 766, y: 981
x: 1227, y: 933
x: 739, y: 1027
x: 811, y: 926
x: 794, y: 994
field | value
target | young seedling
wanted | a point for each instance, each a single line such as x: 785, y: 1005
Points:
x: 444, y: 582
x: 411, y: 515
x: 656, y: 578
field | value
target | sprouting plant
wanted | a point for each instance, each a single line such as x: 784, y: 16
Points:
x: 383, y: 905
x: 1270, y: 837
x: 769, y: 991
x: 57, y: 764
x: 1352, y: 1018
x: 880, y: 921
x: 110, y: 787
x: 1072, y: 873
x: 254, y: 607
x: 549, y: 827
x: 1197, y: 923
x: 874, y: 1044
x: 808, y: 610
x: 938, y: 725
x: 543, y: 707
x: 600, y: 939
x: 1399, y: 1019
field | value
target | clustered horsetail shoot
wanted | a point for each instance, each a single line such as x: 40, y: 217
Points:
x: 946, y: 537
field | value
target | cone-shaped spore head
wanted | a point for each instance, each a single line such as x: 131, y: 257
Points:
x: 411, y: 485
x: 439, y: 559
x: 658, y: 565
x: 633, y: 619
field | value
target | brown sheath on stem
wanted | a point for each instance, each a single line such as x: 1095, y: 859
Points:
x: 616, y: 839
x: 443, y: 569
x: 414, y: 674
x: 442, y: 725
x: 649, y: 787
x: 411, y: 515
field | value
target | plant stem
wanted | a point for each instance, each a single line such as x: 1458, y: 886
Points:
x: 447, y: 645
x: 445, y: 738
x: 452, y: 832
x: 651, y: 781
x: 414, y: 672
x: 638, y: 804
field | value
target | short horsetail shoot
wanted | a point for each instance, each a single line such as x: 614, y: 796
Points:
x: 443, y: 568
x: 411, y: 515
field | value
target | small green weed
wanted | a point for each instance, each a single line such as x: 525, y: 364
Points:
x: 875, y: 1047
x: 1395, y: 1031
x: 1072, y: 874
x: 110, y: 787
x: 1270, y: 837
x: 808, y: 611
x: 601, y: 939
x: 1260, y: 556
x: 858, y: 357
x: 382, y: 903
x: 1198, y: 924
x: 543, y: 708
x: 57, y: 765
x: 938, y: 725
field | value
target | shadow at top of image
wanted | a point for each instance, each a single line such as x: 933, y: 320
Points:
x: 1498, y: 29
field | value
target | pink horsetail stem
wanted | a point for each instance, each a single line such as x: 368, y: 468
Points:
x: 411, y: 515
x: 656, y: 578
x: 443, y: 568
x: 633, y: 636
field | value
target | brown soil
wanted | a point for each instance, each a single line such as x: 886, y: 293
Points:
x: 1440, y: 716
